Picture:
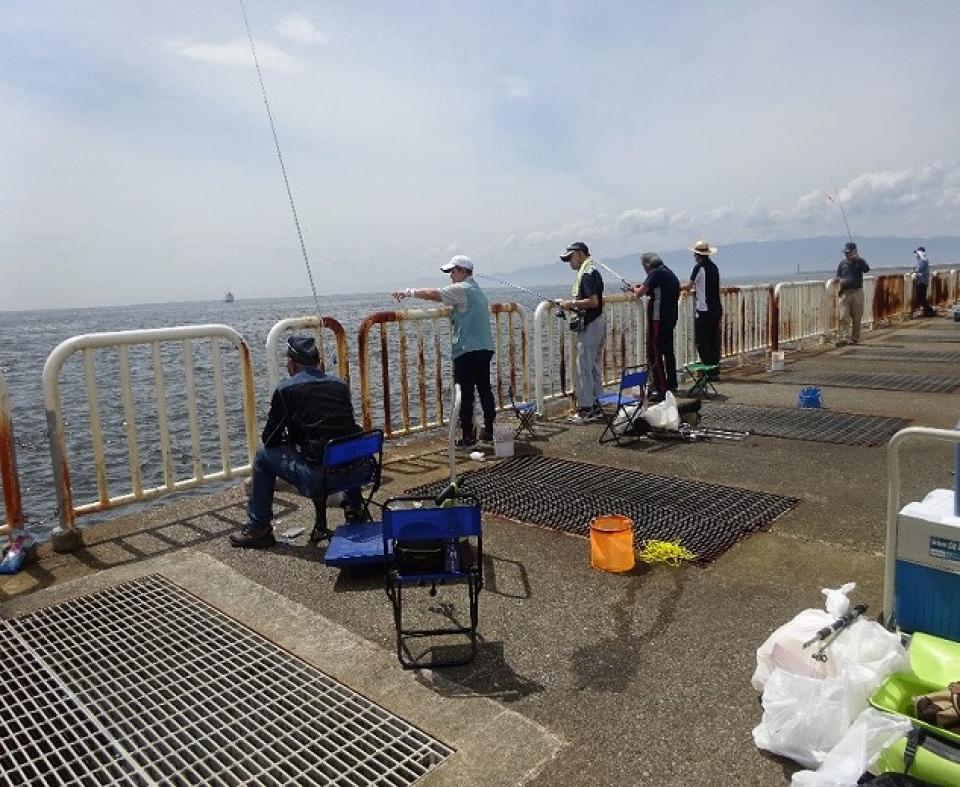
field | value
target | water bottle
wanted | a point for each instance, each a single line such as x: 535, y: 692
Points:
x: 451, y: 556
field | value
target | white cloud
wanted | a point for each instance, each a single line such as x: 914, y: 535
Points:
x: 237, y: 53
x: 517, y: 87
x: 299, y: 28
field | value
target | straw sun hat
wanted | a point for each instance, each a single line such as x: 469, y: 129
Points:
x: 704, y: 248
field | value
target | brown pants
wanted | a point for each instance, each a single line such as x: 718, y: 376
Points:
x: 851, y: 314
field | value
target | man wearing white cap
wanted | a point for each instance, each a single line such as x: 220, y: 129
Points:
x: 472, y: 342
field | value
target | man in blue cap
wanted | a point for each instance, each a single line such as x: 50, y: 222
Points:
x: 308, y: 409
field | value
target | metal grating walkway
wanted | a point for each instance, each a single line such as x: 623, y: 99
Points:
x: 922, y: 338
x: 880, y: 353
x: 879, y: 380
x: 822, y: 426
x: 707, y: 518
x: 145, y: 684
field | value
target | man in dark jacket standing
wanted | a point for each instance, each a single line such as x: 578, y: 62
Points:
x: 663, y: 289
x: 850, y: 280
x: 708, y: 312
x: 307, y: 410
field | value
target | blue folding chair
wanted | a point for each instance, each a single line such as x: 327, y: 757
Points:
x: 612, y: 405
x: 349, y: 463
x: 426, y: 541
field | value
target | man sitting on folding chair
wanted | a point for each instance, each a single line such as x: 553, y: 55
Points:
x: 308, y: 409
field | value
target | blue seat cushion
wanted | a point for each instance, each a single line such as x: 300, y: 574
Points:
x: 356, y: 545
x: 611, y: 398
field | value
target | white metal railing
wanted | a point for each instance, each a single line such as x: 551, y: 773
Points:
x: 13, y: 505
x: 419, y: 340
x: 802, y: 310
x: 152, y: 344
x: 317, y: 326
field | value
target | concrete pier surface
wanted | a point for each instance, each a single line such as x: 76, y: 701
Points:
x: 582, y: 677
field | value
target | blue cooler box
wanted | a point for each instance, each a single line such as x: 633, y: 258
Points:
x: 927, y: 575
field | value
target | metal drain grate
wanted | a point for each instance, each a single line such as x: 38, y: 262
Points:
x: 924, y: 338
x: 821, y: 426
x: 706, y: 518
x: 145, y: 684
x: 878, y: 353
x: 880, y: 380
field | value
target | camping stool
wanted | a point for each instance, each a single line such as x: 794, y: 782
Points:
x: 526, y: 413
x: 702, y: 384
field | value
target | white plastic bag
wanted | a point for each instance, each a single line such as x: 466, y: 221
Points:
x: 784, y: 648
x: 803, y: 718
x: 809, y: 704
x: 664, y: 415
x: 869, y: 735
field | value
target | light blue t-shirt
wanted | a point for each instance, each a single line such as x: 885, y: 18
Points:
x: 471, y: 317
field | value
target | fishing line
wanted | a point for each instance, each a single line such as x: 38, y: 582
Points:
x: 506, y: 283
x: 283, y: 169
x: 611, y: 270
x: 843, y: 213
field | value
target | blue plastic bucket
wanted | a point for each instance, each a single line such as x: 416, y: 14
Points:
x: 809, y: 398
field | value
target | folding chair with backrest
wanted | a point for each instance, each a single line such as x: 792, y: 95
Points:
x: 624, y: 404
x: 352, y: 462
x: 429, y: 543
x: 526, y: 413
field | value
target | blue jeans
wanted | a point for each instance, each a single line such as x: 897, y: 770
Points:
x: 286, y: 463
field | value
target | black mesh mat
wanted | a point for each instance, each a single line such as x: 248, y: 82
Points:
x: 822, y: 426
x: 904, y: 354
x: 880, y: 380
x: 707, y: 518
x: 925, y: 338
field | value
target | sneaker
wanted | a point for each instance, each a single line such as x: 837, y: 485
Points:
x: 466, y: 442
x: 655, y: 397
x: 252, y: 537
x: 486, y: 436
x: 585, y: 416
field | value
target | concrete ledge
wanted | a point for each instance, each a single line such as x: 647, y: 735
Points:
x: 493, y: 745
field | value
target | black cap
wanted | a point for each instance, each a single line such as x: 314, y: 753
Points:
x: 576, y: 246
x: 851, y: 246
x: 303, y: 350
x: 920, y: 248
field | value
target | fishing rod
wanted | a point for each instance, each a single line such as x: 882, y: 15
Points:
x: 836, y: 199
x: 536, y: 294
x: 627, y: 285
x: 283, y: 170
x: 828, y: 633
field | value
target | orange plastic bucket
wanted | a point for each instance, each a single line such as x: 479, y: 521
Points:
x: 611, y: 543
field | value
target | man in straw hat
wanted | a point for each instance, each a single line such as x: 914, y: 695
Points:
x: 708, y: 311
x: 308, y: 409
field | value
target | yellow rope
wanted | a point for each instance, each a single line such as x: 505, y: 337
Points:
x: 669, y: 552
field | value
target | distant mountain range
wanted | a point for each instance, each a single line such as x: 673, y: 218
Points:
x: 765, y: 260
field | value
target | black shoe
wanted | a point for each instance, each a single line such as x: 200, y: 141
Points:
x: 466, y: 442
x: 251, y: 537
x: 352, y: 516
x: 655, y: 397
x: 486, y: 436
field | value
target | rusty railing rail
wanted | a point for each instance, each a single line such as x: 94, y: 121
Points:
x: 12, y: 501
x: 289, y: 325
x: 425, y: 333
x: 152, y: 342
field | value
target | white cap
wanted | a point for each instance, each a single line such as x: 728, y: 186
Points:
x: 459, y: 261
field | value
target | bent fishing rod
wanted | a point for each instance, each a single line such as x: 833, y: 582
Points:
x: 534, y: 293
x: 836, y: 200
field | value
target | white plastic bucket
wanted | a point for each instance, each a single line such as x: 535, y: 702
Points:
x: 503, y: 439
x: 776, y: 361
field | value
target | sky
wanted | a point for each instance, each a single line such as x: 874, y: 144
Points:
x: 138, y: 163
